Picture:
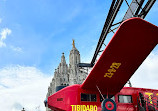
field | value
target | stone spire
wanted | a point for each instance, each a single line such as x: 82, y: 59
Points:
x: 62, y: 74
x: 63, y: 65
x: 63, y: 59
x: 74, y: 59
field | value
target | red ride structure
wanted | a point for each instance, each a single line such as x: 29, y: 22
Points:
x: 103, y: 89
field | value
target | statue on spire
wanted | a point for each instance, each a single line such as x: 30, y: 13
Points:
x: 73, y: 43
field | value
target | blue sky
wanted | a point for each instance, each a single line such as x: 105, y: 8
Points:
x: 42, y: 29
x: 33, y: 35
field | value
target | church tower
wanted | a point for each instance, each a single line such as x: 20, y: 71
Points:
x: 61, y: 74
x: 74, y: 59
x: 64, y: 75
x: 63, y: 71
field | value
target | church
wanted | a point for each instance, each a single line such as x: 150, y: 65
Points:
x: 65, y: 74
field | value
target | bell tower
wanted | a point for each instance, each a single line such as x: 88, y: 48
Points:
x: 74, y: 59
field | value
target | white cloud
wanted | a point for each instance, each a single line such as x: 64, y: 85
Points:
x: 4, y: 33
x: 2, y: 44
x: 22, y: 87
x: 3, y: 36
x: 16, y: 49
x: 147, y: 74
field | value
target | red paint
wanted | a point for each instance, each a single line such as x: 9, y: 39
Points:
x: 112, y: 105
x: 72, y: 96
x: 130, y: 45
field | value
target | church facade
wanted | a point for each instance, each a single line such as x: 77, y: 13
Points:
x: 65, y: 74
